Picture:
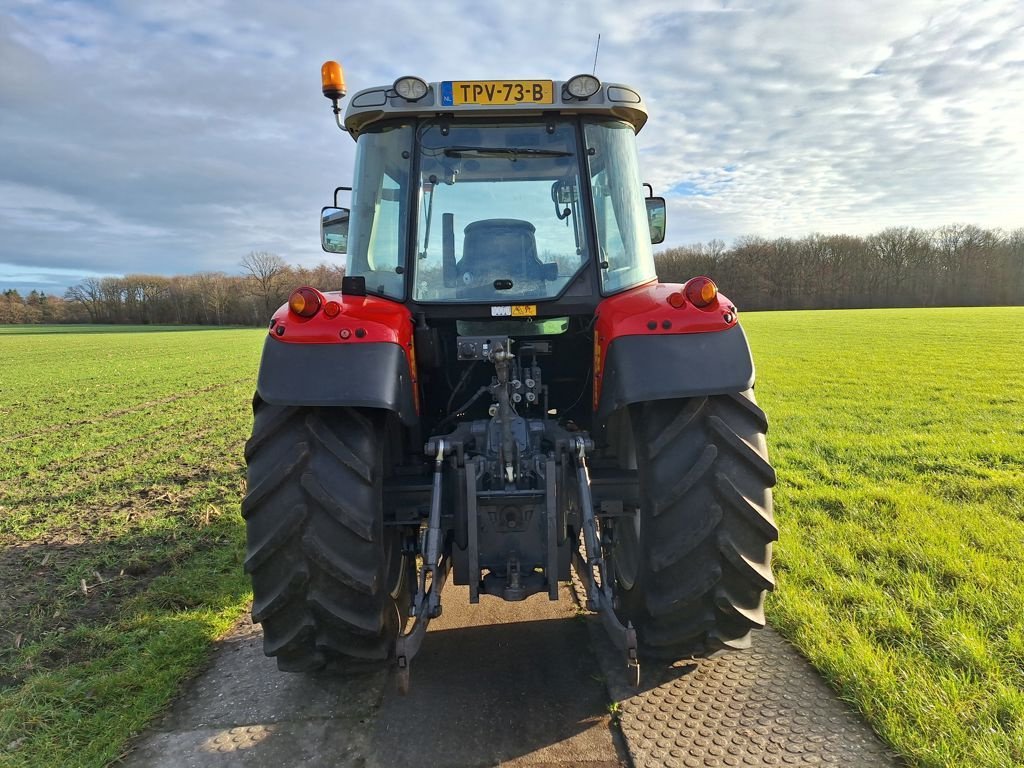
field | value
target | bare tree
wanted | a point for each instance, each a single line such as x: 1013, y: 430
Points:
x: 215, y: 293
x: 89, y: 294
x: 265, y: 271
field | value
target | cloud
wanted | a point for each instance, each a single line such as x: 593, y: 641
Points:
x: 177, y: 137
x: 866, y: 117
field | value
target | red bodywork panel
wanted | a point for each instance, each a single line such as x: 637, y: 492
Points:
x: 379, y: 320
x: 631, y: 314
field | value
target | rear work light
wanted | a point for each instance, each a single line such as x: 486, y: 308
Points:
x: 701, y: 291
x: 305, y: 302
x: 410, y: 88
x: 583, y: 86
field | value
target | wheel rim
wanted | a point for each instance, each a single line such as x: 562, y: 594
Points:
x: 627, y: 550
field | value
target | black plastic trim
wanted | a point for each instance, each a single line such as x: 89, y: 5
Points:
x: 366, y: 375
x: 664, y: 366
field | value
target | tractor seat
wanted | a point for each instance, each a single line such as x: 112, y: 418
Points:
x: 500, y: 248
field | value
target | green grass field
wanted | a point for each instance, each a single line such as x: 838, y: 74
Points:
x: 121, y: 471
x: 898, y: 436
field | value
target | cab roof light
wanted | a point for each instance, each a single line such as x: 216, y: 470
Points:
x: 583, y: 86
x: 305, y: 302
x: 410, y: 88
x: 332, y: 79
x: 701, y: 291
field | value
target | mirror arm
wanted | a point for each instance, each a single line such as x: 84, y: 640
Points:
x: 336, y: 191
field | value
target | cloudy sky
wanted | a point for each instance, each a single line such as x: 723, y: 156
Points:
x: 173, y: 137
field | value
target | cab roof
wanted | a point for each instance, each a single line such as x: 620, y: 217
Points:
x: 371, y: 105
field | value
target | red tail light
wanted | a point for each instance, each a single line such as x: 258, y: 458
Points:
x: 305, y: 302
x: 701, y: 291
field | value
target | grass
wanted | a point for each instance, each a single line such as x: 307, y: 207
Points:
x: 898, y: 436
x: 37, y: 330
x: 120, y: 541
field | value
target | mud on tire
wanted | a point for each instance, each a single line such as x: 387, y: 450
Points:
x: 694, y: 580
x: 327, y: 576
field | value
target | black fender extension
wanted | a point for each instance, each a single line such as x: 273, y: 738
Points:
x: 360, y: 375
x: 665, y: 366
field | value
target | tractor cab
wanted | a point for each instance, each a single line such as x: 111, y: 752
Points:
x: 496, y: 193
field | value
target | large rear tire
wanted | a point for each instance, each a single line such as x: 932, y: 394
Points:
x: 328, y: 578
x: 693, y: 571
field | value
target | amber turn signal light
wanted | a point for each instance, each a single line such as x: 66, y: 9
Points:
x: 333, y: 80
x: 305, y: 302
x: 701, y: 291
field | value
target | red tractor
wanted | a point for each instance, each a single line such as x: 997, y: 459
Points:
x: 500, y: 377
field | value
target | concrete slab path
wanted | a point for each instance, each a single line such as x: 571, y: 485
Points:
x: 523, y: 685
x: 511, y: 684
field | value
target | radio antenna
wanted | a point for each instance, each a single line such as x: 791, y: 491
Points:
x: 597, y: 50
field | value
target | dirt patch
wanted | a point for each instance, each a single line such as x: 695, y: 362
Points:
x: 37, y: 601
x: 50, y: 591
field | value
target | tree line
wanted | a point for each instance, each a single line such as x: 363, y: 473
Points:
x: 955, y: 265
x: 38, y: 307
x: 205, y: 298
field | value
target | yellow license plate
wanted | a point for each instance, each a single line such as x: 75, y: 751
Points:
x: 454, y: 93
x: 524, y: 310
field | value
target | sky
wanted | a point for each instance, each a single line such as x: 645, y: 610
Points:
x: 176, y: 137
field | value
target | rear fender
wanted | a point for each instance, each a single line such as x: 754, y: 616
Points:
x: 362, y: 357
x: 647, y: 349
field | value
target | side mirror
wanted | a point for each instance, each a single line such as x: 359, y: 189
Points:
x: 656, y: 218
x: 563, y: 195
x: 334, y: 230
